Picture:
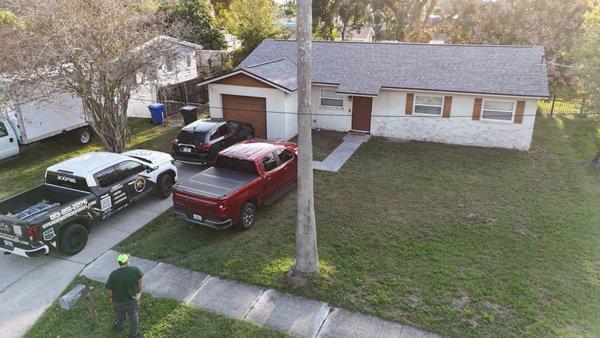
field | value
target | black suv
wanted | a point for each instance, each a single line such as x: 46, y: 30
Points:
x: 201, y: 141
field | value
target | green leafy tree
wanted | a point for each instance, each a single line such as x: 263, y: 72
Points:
x: 192, y: 20
x: 220, y: 5
x: 402, y: 20
x: 289, y: 8
x: 589, y: 54
x: 554, y: 24
x: 334, y: 18
x: 252, y: 21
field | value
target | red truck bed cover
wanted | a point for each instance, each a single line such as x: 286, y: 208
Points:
x: 215, y: 182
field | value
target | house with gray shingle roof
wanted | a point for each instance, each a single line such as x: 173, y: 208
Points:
x: 482, y: 95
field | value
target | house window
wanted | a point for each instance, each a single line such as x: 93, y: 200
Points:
x: 189, y: 60
x: 498, y: 110
x: 429, y: 105
x: 330, y: 99
x: 170, y: 65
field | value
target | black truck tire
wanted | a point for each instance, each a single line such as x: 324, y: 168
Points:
x: 164, y: 185
x: 246, y: 219
x: 73, y: 239
x: 83, y: 135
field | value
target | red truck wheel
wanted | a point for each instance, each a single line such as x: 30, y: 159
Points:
x: 247, y: 216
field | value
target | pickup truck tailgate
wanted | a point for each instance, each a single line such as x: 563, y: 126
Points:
x: 10, y: 228
x: 215, y: 183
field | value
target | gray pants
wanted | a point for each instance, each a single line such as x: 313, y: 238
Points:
x: 132, y: 309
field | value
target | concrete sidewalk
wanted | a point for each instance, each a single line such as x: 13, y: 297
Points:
x: 297, y: 316
x: 334, y: 161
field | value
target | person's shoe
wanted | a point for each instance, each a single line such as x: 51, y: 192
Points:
x: 117, y: 328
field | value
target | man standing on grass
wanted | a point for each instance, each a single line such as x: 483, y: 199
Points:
x: 124, y: 289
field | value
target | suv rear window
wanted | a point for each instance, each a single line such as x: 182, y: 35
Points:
x: 66, y: 180
x: 236, y: 164
x: 191, y: 137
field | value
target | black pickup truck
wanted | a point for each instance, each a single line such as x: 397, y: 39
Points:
x: 78, y: 193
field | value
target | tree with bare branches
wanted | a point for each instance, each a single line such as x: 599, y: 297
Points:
x: 97, y: 50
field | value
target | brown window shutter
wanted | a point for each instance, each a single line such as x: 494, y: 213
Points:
x: 410, y: 99
x: 447, y: 106
x: 477, y: 108
x: 520, y: 112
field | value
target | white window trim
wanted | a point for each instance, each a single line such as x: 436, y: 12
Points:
x: 330, y: 107
x: 512, y: 116
x: 414, y: 111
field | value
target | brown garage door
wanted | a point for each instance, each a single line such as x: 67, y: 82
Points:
x: 247, y: 109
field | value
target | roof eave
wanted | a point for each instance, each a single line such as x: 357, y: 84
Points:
x: 245, y: 72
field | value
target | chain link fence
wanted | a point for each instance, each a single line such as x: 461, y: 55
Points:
x: 563, y: 106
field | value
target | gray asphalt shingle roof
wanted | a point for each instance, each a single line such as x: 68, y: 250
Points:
x: 280, y: 71
x: 365, y: 68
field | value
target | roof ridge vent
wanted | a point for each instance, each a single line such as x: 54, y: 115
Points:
x: 265, y: 63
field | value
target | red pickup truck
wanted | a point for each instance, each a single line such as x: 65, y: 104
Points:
x: 244, y: 176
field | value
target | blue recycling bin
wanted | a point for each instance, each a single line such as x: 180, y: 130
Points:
x: 157, y: 113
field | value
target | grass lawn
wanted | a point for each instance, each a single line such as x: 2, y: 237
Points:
x: 28, y: 169
x: 455, y: 240
x: 324, y: 142
x: 158, y: 318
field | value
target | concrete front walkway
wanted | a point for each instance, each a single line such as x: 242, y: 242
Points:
x: 342, y: 153
x: 297, y: 316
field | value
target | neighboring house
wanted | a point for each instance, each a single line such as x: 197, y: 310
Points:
x: 179, y: 68
x: 361, y: 34
x: 460, y: 94
x: 233, y: 43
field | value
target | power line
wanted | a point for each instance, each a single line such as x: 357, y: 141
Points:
x: 417, y: 115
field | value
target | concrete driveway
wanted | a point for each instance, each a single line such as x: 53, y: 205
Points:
x: 29, y: 285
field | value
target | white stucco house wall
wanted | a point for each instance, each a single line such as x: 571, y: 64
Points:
x: 474, y: 95
x: 179, y: 67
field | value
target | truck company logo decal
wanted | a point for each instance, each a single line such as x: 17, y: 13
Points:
x: 66, y: 179
x: 140, y: 184
x: 49, y: 234
x: 66, y: 212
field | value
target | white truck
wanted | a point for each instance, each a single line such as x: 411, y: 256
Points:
x: 77, y: 194
x: 25, y: 123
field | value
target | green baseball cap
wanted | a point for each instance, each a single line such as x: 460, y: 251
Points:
x: 122, y: 259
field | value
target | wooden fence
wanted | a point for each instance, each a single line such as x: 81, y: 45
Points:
x: 181, y: 94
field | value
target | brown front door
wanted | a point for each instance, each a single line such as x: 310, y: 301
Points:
x: 247, y: 109
x: 361, y: 113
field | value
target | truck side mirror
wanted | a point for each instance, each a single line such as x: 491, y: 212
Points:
x: 150, y: 169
